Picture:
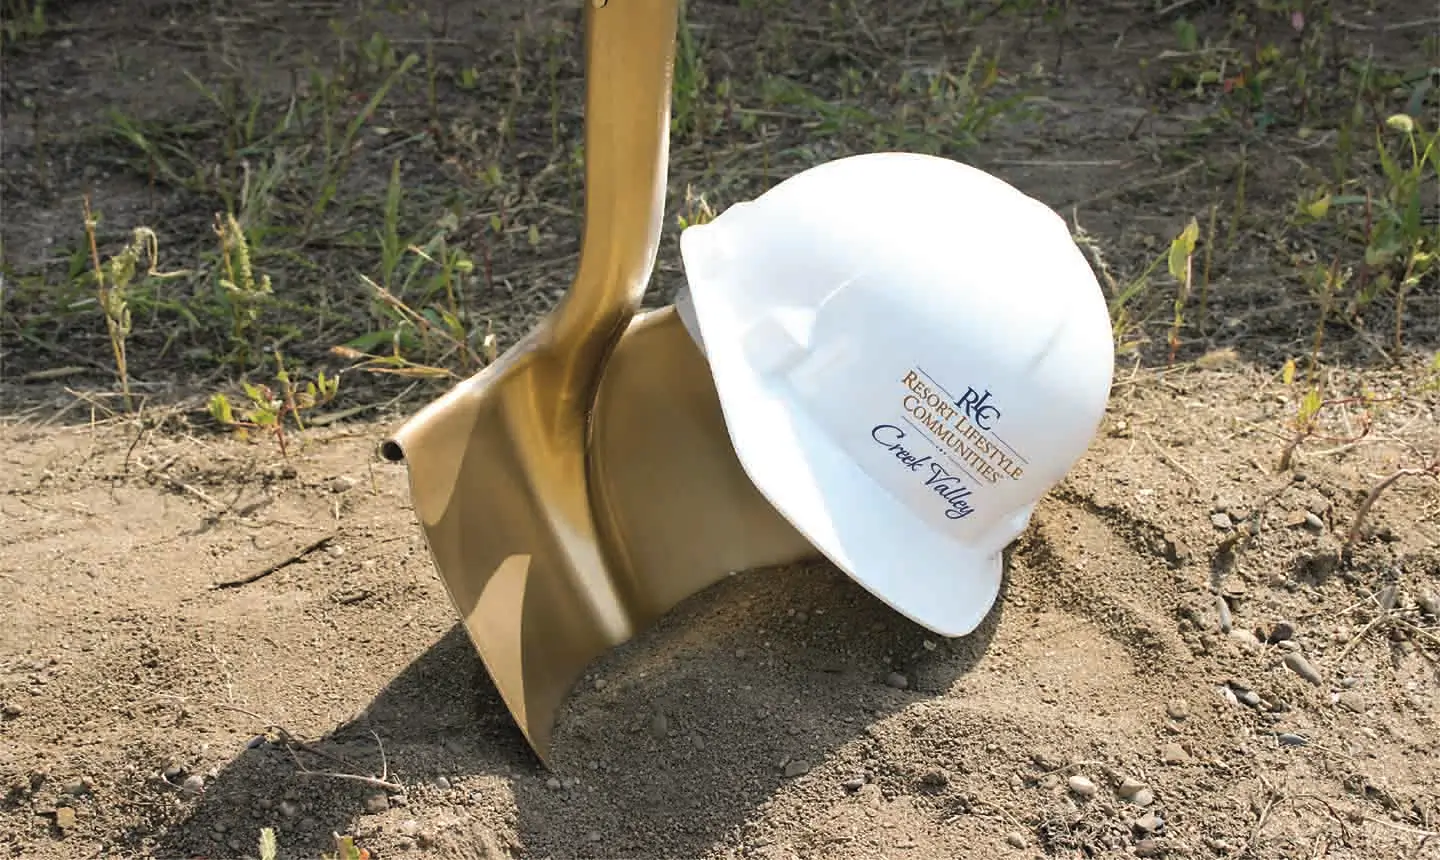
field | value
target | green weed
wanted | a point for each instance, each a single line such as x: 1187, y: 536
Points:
x: 113, y: 281
x: 244, y: 293
x: 21, y: 20
x: 266, y: 408
x: 1397, y: 243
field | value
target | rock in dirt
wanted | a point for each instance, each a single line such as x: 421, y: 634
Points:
x: 1290, y: 739
x: 1246, y: 638
x: 193, y: 784
x: 935, y: 778
x: 1221, y: 521
x: 1016, y: 839
x: 1314, y: 523
x: 1280, y: 631
x: 376, y: 803
x: 1222, y: 609
x: 798, y: 767
x: 853, y: 784
x: 1297, y: 663
x: 1148, y: 823
x: 442, y: 783
x: 1178, y: 709
x: 1245, y: 696
x: 1428, y: 602
x: 64, y: 817
x: 897, y: 680
x: 1144, y: 797
x: 659, y: 725
x: 1174, y: 754
x: 1352, y: 701
x: 289, y: 808
x: 1148, y: 848
x: 83, y: 785
x: 1082, y: 786
x: 1129, y: 787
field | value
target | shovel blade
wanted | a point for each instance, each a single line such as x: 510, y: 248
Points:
x: 500, y: 497
x: 672, y: 503
x: 498, y: 489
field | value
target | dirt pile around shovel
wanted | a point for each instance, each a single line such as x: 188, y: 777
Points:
x: 1101, y: 710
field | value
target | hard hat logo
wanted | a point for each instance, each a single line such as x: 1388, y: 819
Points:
x: 975, y: 447
x: 975, y: 406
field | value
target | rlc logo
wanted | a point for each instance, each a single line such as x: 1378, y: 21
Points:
x: 977, y: 408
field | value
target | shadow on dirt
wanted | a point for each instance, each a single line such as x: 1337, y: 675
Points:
x: 671, y: 743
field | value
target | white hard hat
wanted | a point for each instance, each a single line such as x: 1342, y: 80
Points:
x: 908, y: 353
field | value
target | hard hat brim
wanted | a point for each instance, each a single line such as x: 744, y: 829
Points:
x: 935, y: 581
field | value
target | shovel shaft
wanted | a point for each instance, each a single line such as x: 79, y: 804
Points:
x: 629, y: 61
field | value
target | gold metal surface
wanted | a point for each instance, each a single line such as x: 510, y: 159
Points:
x: 673, y: 504
x: 508, y: 468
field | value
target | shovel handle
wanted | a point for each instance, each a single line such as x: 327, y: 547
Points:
x: 629, y: 62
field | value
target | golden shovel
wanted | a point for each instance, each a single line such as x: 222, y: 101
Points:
x: 584, y: 484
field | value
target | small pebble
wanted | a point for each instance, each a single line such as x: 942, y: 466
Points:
x: 853, y: 784
x: 343, y: 484
x: 1249, y: 698
x: 172, y: 771
x: 1222, y: 609
x: 1149, y: 822
x: 935, y: 778
x: 593, y: 836
x: 1143, y: 797
x: 1147, y: 847
x: 1280, y: 631
x: 1290, y: 739
x: 409, y: 827
x: 659, y: 725
x: 1129, y: 787
x: 1300, y: 666
x: 553, y: 783
x: 1221, y: 521
x: 11, y: 710
x: 1016, y: 839
x: 1352, y: 701
x: 1178, y: 709
x: 1082, y: 786
x: 897, y: 680
x: 193, y: 784
x: 798, y: 767
x: 1174, y: 754
x: 64, y: 817
x: 1313, y: 522
x: 376, y: 803
x: 289, y: 808
x: 442, y: 783
x: 1246, y: 638
x: 1428, y: 602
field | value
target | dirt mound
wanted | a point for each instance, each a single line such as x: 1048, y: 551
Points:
x: 1100, y: 710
